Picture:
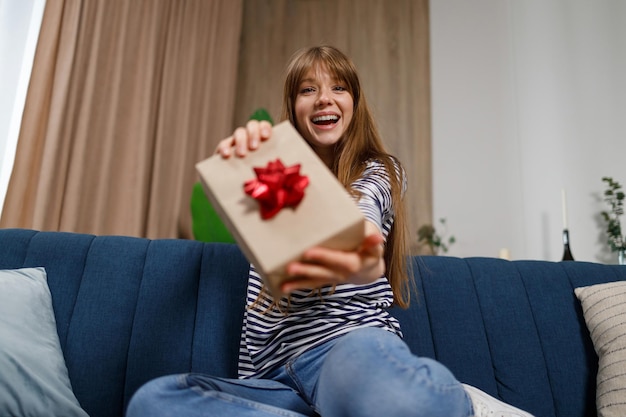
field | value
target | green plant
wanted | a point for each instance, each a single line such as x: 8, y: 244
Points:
x: 614, y: 197
x: 428, y: 235
x: 206, y: 224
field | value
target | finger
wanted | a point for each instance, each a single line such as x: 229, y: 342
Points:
x: 254, y: 134
x: 373, y: 244
x: 306, y: 270
x: 224, y: 147
x: 265, y: 128
x: 241, y: 141
x: 348, y: 262
x: 372, y: 233
x: 344, y: 263
x: 373, y: 239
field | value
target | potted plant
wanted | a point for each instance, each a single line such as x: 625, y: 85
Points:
x: 428, y: 235
x: 614, y: 197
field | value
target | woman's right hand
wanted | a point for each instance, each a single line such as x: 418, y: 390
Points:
x: 245, y: 139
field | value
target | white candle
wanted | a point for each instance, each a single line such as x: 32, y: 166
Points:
x: 564, y: 208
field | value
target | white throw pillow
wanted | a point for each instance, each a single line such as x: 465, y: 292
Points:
x: 33, y: 376
x: 604, y: 309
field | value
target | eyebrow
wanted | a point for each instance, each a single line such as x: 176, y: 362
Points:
x: 313, y: 80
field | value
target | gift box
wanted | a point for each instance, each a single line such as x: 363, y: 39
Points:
x: 317, y: 210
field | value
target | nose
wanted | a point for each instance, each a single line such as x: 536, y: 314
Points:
x: 324, y: 98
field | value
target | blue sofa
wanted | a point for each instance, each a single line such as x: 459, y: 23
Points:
x: 129, y: 310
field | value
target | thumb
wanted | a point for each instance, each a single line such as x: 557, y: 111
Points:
x: 372, y: 244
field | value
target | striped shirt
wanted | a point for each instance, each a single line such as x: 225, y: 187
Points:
x: 307, y: 319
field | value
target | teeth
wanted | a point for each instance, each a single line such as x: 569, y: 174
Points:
x: 326, y: 118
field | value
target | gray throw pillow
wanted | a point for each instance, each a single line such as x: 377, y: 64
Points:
x: 604, y: 309
x: 33, y: 376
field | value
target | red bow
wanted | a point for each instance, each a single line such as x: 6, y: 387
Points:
x: 276, y: 186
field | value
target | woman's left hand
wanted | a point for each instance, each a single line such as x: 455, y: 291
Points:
x: 322, y: 266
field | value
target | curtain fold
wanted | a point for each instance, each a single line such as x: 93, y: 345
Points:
x: 125, y: 97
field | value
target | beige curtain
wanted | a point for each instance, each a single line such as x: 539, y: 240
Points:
x: 125, y: 97
x: 389, y: 43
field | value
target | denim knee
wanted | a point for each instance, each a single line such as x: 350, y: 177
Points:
x: 147, y: 400
x: 372, y: 372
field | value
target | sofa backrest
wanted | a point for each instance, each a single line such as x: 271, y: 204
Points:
x: 129, y: 310
x: 514, y: 329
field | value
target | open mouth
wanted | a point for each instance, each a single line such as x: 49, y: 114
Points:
x: 327, y: 119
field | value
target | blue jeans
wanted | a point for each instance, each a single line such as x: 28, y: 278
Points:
x: 367, y: 372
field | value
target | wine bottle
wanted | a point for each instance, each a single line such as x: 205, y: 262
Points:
x: 567, y: 252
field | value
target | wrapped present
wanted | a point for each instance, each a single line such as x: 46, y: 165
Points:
x: 280, y: 200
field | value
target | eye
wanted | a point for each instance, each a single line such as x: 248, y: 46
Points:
x: 307, y: 90
x: 340, y: 88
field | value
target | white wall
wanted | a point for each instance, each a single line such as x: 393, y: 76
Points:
x: 20, y: 21
x: 529, y: 97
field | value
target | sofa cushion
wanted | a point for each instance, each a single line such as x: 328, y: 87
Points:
x: 604, y: 309
x: 33, y: 376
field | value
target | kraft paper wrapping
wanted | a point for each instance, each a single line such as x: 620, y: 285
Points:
x: 327, y: 215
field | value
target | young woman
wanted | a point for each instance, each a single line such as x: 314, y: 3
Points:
x: 330, y: 348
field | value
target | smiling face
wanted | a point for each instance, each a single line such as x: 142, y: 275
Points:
x: 323, y: 110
